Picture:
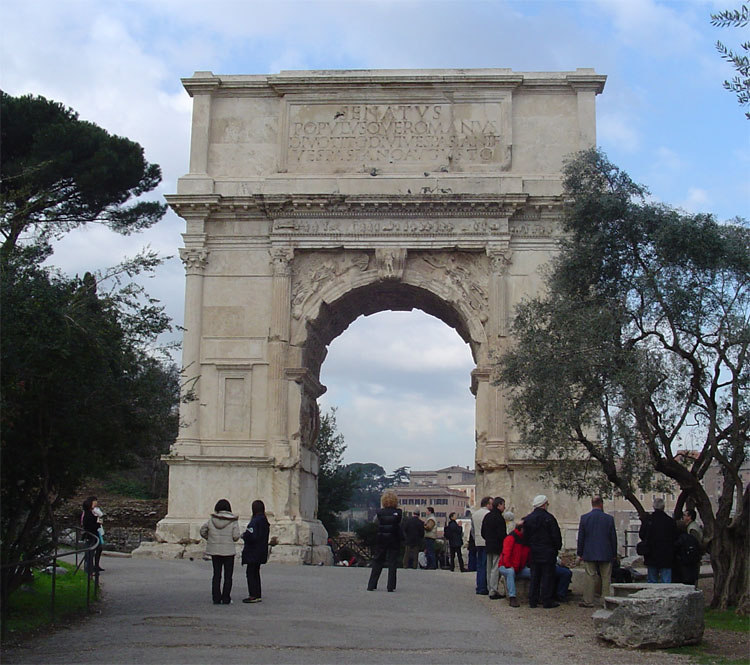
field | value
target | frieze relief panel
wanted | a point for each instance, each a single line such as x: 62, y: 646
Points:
x: 313, y: 270
x: 466, y: 274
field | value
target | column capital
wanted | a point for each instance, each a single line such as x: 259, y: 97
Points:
x: 195, y: 259
x: 281, y: 259
x: 500, y: 259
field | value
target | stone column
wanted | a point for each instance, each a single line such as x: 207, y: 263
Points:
x: 500, y: 258
x: 195, y: 260
x: 278, y: 344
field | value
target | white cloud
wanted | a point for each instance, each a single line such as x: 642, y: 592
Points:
x: 119, y: 63
x: 616, y: 130
x: 698, y: 200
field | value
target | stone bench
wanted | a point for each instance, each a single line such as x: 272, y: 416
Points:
x: 652, y: 616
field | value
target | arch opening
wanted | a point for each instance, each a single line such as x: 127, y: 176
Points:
x: 387, y: 295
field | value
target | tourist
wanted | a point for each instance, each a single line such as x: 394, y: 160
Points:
x: 430, y: 536
x: 513, y: 562
x: 597, y: 548
x: 658, y: 532
x: 387, y: 541
x: 90, y: 526
x: 563, y: 578
x: 542, y: 535
x: 412, y: 530
x: 477, y: 517
x: 454, y: 534
x: 221, y: 532
x: 255, y: 550
x: 493, y: 532
x: 99, y: 514
x: 690, y: 518
x: 686, y: 566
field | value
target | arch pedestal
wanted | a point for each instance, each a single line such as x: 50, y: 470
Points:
x: 317, y: 197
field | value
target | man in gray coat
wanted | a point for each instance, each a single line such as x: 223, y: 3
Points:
x: 597, y: 548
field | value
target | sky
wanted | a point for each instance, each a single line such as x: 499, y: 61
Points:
x: 400, y: 380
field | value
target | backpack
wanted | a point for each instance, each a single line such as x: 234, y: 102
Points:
x: 688, y: 550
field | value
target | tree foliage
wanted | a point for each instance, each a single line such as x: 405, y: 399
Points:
x: 83, y: 389
x: 81, y: 392
x: 740, y: 84
x: 638, y: 351
x: 336, y: 482
x: 59, y: 172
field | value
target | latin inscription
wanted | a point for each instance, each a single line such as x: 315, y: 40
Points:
x: 371, y: 135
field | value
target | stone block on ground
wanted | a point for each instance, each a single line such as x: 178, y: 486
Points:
x: 655, y: 617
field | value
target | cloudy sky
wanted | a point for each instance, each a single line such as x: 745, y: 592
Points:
x: 400, y: 379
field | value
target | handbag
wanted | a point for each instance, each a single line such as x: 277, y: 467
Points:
x: 642, y: 548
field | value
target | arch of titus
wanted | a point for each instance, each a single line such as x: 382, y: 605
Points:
x: 316, y: 197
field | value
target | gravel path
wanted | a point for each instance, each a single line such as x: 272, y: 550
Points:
x: 161, y: 612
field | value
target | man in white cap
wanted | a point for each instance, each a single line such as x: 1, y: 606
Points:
x: 542, y: 535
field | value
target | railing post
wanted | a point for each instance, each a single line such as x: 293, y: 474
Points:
x: 88, y: 587
x: 54, y: 584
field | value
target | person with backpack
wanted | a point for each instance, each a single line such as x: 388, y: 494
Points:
x: 687, y: 556
x: 387, y: 541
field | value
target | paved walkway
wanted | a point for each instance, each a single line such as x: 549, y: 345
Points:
x: 161, y: 612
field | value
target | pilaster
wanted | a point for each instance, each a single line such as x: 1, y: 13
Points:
x: 195, y: 259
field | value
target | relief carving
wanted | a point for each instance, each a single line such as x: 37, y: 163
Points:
x: 391, y: 262
x: 313, y: 271
x: 468, y: 275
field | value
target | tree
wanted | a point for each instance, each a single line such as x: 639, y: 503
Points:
x: 83, y: 389
x: 336, y: 483
x: 82, y: 392
x: 59, y: 172
x: 740, y: 85
x: 638, y: 351
x: 399, y: 477
x: 371, y: 481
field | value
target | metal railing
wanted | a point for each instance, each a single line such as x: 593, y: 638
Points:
x: 52, y: 558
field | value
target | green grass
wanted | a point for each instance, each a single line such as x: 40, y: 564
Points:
x: 727, y: 620
x: 29, y: 606
x: 718, y: 620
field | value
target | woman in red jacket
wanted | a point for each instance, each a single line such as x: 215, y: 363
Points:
x: 514, y: 562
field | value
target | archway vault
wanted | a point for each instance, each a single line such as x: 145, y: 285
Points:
x: 332, y: 289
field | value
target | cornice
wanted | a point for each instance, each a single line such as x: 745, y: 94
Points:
x: 296, y: 82
x: 336, y: 206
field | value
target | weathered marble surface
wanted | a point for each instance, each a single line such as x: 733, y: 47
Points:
x: 316, y: 197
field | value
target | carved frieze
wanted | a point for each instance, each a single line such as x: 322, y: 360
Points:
x: 313, y: 270
x: 391, y: 262
x: 466, y: 272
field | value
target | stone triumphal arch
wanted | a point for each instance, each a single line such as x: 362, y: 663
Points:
x: 316, y: 197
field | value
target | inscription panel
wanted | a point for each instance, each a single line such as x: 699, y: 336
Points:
x: 396, y: 137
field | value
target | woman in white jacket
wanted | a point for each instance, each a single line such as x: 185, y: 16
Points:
x: 221, y: 532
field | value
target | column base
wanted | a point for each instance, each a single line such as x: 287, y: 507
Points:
x: 293, y: 541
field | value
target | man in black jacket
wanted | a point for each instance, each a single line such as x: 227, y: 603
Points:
x: 542, y: 534
x: 659, y: 532
x: 494, y: 532
x: 413, y: 530
x: 454, y: 534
